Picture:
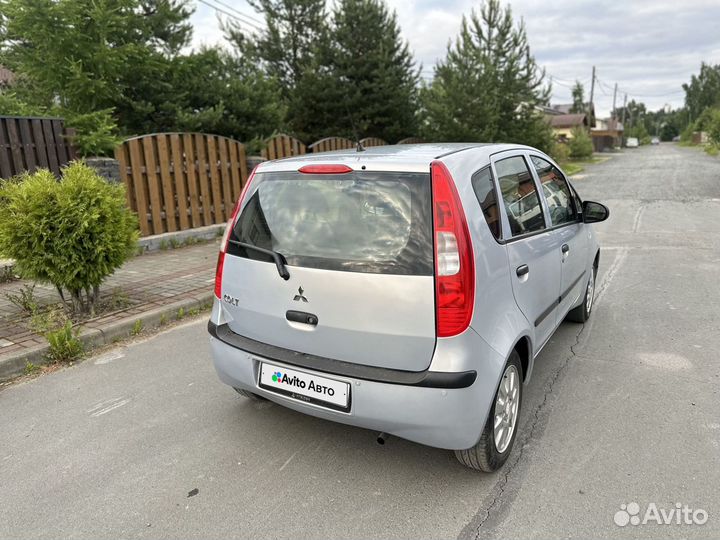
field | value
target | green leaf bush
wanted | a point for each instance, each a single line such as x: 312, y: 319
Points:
x: 581, y: 144
x: 560, y: 152
x: 71, y: 233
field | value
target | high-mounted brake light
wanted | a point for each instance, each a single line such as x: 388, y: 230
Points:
x: 454, y: 260
x: 226, y: 235
x: 324, y: 169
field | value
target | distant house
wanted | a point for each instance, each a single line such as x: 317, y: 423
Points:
x: 607, y: 134
x: 567, y: 108
x: 564, y: 124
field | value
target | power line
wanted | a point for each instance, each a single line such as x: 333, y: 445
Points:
x: 674, y: 92
x: 239, y: 13
x: 555, y: 81
x: 232, y: 16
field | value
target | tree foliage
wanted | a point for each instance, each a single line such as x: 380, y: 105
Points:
x: 88, y: 55
x: 288, y: 45
x: 489, y: 86
x: 363, y: 79
x: 220, y: 93
x: 578, y: 97
x: 71, y: 234
x: 703, y: 91
x: 117, y: 67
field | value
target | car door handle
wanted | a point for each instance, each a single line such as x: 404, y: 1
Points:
x: 522, y: 270
x: 565, y: 248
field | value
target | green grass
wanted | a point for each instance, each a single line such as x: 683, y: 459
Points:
x: 571, y: 168
x: 575, y: 165
x: 64, y: 344
x: 137, y: 328
x: 588, y: 160
x: 31, y: 368
x: 712, y: 150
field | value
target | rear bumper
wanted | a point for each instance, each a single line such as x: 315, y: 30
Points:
x: 443, y: 417
x: 427, y: 378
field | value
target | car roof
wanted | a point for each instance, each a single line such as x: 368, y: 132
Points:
x: 409, y: 157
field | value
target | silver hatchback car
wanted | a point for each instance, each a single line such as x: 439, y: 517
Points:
x: 404, y: 289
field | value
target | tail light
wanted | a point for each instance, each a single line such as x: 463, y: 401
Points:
x: 454, y: 261
x: 226, y: 235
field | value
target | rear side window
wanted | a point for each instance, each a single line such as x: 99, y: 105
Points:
x: 484, y: 188
x: 374, y: 222
x: 520, y: 197
x: 561, y: 202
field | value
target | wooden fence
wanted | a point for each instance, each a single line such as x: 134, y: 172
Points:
x: 411, y: 140
x: 30, y: 143
x: 178, y: 181
x: 367, y: 142
x: 282, y: 146
x: 328, y: 144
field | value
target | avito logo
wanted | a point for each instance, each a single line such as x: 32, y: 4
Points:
x: 279, y: 377
x: 292, y: 381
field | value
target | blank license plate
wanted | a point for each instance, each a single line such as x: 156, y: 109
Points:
x: 304, y: 386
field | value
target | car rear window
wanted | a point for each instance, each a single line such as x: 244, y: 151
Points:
x: 373, y: 222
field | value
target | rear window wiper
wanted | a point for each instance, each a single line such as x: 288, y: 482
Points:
x: 279, y: 258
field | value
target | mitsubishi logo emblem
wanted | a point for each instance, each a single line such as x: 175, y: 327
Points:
x: 299, y: 296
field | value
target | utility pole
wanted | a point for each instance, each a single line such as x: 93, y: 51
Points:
x: 614, y: 115
x: 623, y: 139
x: 592, y: 94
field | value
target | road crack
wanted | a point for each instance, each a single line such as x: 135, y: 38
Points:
x: 474, y: 527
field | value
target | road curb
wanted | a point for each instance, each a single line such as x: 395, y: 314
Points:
x: 94, y: 335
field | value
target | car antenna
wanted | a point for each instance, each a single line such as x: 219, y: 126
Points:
x: 359, y: 147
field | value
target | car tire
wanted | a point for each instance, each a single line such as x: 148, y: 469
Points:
x: 582, y: 313
x: 495, y: 445
x: 249, y: 395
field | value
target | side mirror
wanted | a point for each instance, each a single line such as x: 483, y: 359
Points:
x: 594, y: 212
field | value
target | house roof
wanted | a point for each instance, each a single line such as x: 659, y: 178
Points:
x: 568, y: 120
x: 565, y: 108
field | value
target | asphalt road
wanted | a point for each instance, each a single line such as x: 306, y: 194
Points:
x: 625, y: 409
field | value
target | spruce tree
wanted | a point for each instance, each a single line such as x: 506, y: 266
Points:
x: 364, y: 75
x: 287, y: 46
x: 489, y: 87
x: 578, y: 96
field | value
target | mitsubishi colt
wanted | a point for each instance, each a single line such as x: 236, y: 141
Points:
x: 404, y: 289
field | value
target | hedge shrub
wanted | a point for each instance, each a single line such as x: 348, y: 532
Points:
x: 581, y: 144
x: 71, y: 233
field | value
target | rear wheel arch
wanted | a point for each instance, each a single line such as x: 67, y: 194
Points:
x: 523, y: 346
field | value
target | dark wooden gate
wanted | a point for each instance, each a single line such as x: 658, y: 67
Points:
x: 30, y: 143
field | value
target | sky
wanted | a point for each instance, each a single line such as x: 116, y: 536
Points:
x: 649, y: 48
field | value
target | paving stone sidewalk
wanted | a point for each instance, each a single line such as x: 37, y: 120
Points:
x: 145, y: 284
